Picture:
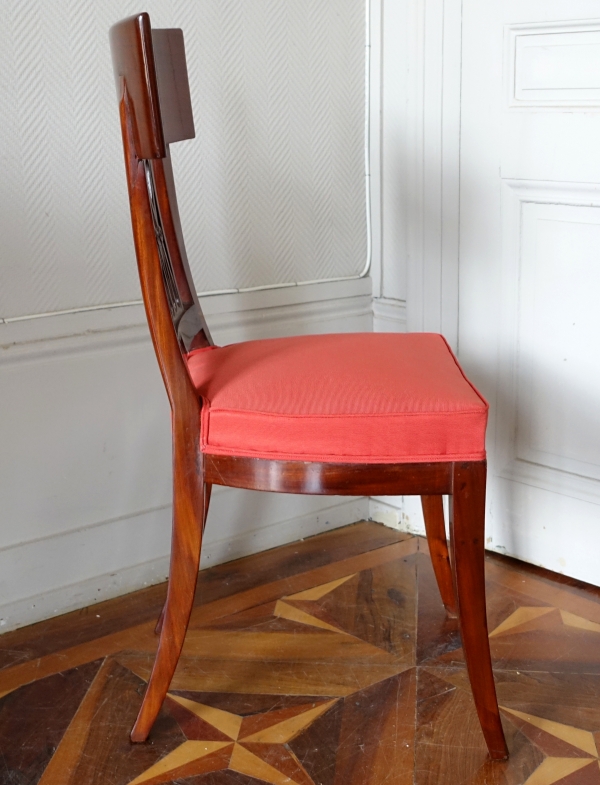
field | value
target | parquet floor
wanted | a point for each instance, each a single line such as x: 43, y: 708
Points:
x: 326, y: 662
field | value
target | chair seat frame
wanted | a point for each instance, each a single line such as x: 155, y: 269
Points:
x: 459, y: 569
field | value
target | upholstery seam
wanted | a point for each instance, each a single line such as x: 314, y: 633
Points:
x: 347, y: 416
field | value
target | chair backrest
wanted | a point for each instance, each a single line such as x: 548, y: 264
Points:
x: 156, y: 111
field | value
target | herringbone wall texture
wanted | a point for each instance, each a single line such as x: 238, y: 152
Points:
x: 272, y: 190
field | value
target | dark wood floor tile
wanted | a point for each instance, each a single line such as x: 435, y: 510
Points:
x: 527, y: 656
x: 316, y: 747
x: 310, y: 614
x: 541, y: 644
x: 307, y: 643
x: 243, y: 619
x: 541, y: 618
x: 449, y: 743
x: 227, y: 777
x: 437, y: 634
x: 260, y: 617
x: 341, y: 606
x: 290, y: 560
x: 544, y: 576
x: 215, y: 583
x: 549, y: 744
x: 282, y: 760
x: 33, y: 720
x: 379, y: 606
x: 263, y: 725
x: 377, y: 734
x: 439, y: 702
x: 248, y: 704
x: 104, y: 754
x: 571, y: 699
x: 557, y: 650
x: 502, y: 602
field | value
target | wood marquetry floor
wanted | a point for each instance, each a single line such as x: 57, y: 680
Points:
x: 325, y: 662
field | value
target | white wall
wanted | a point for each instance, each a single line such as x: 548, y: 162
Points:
x: 278, y: 89
x: 272, y: 189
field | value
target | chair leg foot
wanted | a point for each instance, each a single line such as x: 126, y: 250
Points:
x: 433, y: 512
x: 467, y: 533
x: 185, y: 561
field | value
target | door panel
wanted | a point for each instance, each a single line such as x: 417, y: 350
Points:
x: 529, y: 321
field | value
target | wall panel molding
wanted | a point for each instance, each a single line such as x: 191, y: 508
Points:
x: 421, y: 155
x: 542, y: 443
x: 231, y: 317
x: 552, y: 65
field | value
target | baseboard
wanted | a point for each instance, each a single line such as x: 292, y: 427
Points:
x: 75, y: 596
x: 322, y: 518
x: 123, y: 578
x: 403, y: 513
x: 389, y: 315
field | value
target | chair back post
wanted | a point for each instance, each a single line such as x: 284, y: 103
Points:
x: 149, y: 123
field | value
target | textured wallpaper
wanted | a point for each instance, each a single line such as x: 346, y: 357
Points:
x: 272, y: 189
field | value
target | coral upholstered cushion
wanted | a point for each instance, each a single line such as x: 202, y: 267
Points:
x: 363, y: 397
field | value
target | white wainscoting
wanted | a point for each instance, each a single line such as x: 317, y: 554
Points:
x: 85, y: 465
x: 420, y: 150
x: 553, y: 64
x: 389, y: 315
x: 549, y: 376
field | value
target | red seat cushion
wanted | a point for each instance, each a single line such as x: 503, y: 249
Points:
x: 362, y: 397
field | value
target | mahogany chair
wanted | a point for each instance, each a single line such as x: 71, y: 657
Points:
x: 355, y: 414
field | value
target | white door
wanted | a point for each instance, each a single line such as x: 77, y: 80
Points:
x: 529, y: 308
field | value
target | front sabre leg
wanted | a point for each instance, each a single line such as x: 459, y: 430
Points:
x: 467, y: 532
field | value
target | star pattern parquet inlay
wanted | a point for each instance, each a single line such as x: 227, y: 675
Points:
x: 340, y: 669
x: 247, y: 744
